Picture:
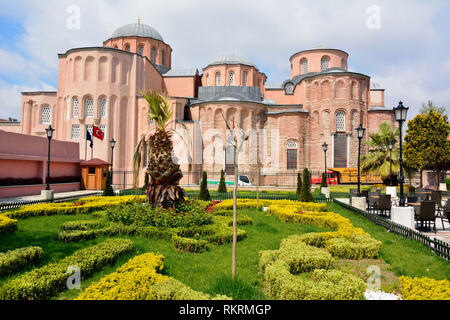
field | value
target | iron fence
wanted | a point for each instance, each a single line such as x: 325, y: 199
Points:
x: 439, y: 247
x: 17, y: 204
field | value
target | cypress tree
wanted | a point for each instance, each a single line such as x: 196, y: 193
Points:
x: 222, y: 185
x: 204, y: 193
x: 299, y: 184
x: 306, y: 195
x: 108, y: 191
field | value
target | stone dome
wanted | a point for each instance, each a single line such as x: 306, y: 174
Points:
x: 231, y: 59
x: 137, y: 30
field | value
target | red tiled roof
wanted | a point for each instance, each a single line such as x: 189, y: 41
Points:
x: 94, y: 162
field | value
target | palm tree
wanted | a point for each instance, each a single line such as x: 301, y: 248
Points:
x: 165, y: 175
x: 377, y: 160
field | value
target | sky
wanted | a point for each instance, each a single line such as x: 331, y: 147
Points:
x: 403, y: 45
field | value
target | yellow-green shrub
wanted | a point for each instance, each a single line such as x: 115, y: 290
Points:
x: 47, y: 281
x: 189, y: 244
x: 424, y: 289
x: 90, y: 205
x: 356, y: 247
x: 140, y: 279
x: 14, y: 261
x: 7, y: 224
x: 250, y: 203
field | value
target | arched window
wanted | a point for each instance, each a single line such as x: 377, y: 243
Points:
x: 46, y: 115
x: 127, y: 48
x: 244, y: 80
x: 231, y: 78
x: 103, y: 108
x: 153, y: 55
x: 89, y: 108
x: 343, y: 64
x: 218, y: 79
x: 340, y: 121
x: 291, y: 156
x: 325, y: 63
x: 75, y: 108
x: 141, y: 50
x: 304, y: 65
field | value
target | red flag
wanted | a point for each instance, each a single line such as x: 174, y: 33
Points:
x: 98, y: 133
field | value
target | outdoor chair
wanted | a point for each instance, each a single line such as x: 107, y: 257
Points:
x: 427, y: 214
x: 365, y: 194
x: 436, y: 196
x: 384, y: 205
x: 412, y: 199
x: 373, y: 201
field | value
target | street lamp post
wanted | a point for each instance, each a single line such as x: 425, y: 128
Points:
x: 325, y: 148
x: 112, y: 144
x: 400, y: 115
x: 391, y: 146
x: 360, y: 131
x: 49, y: 132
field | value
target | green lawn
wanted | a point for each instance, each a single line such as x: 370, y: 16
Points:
x: 210, y: 272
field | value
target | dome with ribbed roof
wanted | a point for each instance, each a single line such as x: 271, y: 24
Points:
x: 137, y: 30
x: 231, y: 59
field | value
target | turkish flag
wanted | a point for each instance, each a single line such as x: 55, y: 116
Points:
x: 98, y: 133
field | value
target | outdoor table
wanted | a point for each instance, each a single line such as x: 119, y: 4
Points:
x: 403, y: 216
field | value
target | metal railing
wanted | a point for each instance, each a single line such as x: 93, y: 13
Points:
x: 17, y: 204
x: 439, y: 247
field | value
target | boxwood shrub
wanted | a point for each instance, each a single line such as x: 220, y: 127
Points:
x: 189, y: 244
x: 47, y: 281
x: 14, y: 261
x: 355, y: 247
x: 7, y: 225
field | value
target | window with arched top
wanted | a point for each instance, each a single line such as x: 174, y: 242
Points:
x: 75, y: 108
x: 89, y: 108
x: 231, y: 78
x: 207, y: 80
x: 343, y: 64
x: 153, y: 55
x: 340, y: 121
x: 304, y: 65
x: 325, y: 63
x: 218, y: 79
x: 244, y: 80
x: 141, y: 50
x: 103, y: 108
x: 127, y: 48
x: 46, y: 115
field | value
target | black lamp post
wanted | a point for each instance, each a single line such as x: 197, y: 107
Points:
x: 325, y: 148
x: 400, y: 115
x: 49, y: 131
x: 391, y: 146
x: 112, y: 144
x: 360, y: 131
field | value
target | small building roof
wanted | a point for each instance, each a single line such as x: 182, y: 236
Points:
x: 190, y: 72
x: 94, y: 162
x: 137, y: 30
x: 232, y: 59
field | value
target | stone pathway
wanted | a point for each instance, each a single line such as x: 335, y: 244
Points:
x: 81, y: 193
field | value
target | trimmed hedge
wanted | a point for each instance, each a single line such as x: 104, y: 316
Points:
x: 251, y: 203
x: 82, y: 225
x: 300, y: 272
x: 7, y: 225
x: 16, y: 260
x: 89, y: 205
x: 189, y: 244
x: 46, y: 282
x: 141, y: 279
x: 424, y: 289
x: 356, y: 247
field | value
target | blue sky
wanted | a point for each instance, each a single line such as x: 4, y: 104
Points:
x: 408, y: 54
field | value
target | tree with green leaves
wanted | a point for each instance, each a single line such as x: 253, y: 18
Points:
x: 428, y: 105
x: 222, y: 184
x: 108, y: 191
x: 377, y: 160
x: 426, y: 142
x: 305, y: 194
x: 204, y: 192
x: 165, y: 175
x: 299, y: 184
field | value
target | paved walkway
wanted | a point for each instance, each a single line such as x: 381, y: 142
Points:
x: 441, y: 234
x: 81, y: 193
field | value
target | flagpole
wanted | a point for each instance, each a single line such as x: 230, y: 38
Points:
x: 92, y: 150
